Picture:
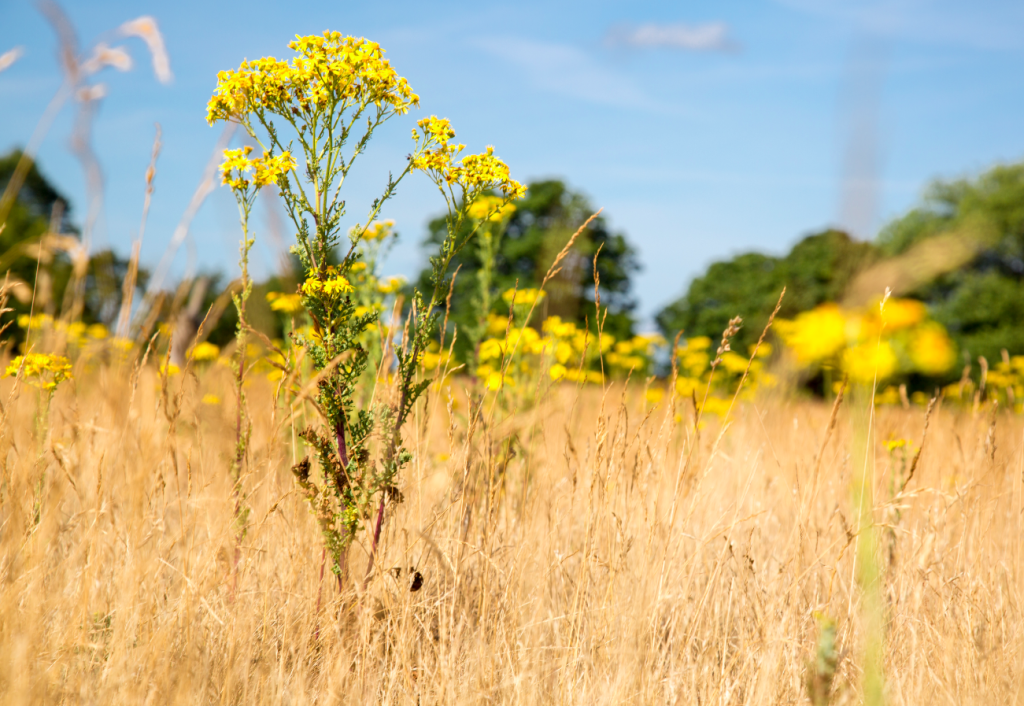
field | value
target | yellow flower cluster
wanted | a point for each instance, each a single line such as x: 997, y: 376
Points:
x: 474, y: 173
x: 523, y: 297
x: 332, y: 286
x: 40, y: 370
x: 285, y: 303
x: 635, y: 354
x: 694, y: 374
x: 491, y: 208
x: 329, y: 72
x: 379, y: 230
x: 560, y: 350
x: 879, y: 342
x: 77, y: 333
x: 434, y: 357
x: 237, y: 166
x: 391, y: 284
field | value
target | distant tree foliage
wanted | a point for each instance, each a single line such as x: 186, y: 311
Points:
x: 540, y: 227
x: 37, y: 202
x: 982, y: 304
x: 816, y: 270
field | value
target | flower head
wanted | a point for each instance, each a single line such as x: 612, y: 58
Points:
x: 285, y: 303
x: 491, y: 208
x: 334, y: 284
x: 474, y: 173
x: 526, y: 297
x: 40, y: 369
x: 328, y: 71
x: 236, y: 168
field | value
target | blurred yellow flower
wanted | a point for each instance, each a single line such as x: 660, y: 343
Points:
x: 169, y: 369
x: 734, y: 363
x: 210, y: 398
x: 379, y: 230
x: 97, y: 332
x: 865, y: 361
x: 816, y: 335
x: 931, y: 350
x: 557, y: 371
x: 36, y: 321
x: 491, y: 208
x: 205, y: 351
x: 285, y: 303
x: 902, y: 313
x: 392, y: 284
x: 526, y: 297
x: 494, y: 381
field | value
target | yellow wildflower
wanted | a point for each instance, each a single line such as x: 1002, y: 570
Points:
x: 654, y: 395
x: 285, y: 303
x: 40, y: 369
x: 205, y: 351
x: 557, y: 371
x: 392, y: 284
x: 235, y: 169
x: 169, y: 369
x: 902, y: 313
x: 734, y: 363
x: 816, y: 335
x: 894, y: 444
x: 490, y: 208
x: 36, y: 321
x: 495, y: 381
x: 335, y: 284
x: 379, y: 230
x: 97, y: 332
x: 525, y: 297
x: 328, y: 71
x: 475, y: 173
x: 211, y: 399
x: 866, y: 360
x: 931, y: 351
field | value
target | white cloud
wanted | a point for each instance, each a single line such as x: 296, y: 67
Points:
x: 713, y: 36
x: 567, y: 71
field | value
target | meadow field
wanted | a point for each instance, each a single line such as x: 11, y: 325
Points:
x: 590, y: 549
x: 487, y: 484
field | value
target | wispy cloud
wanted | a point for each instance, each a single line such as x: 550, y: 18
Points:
x: 567, y: 71
x: 713, y: 36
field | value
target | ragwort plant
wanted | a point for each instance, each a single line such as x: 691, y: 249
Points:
x: 245, y: 177
x: 330, y: 98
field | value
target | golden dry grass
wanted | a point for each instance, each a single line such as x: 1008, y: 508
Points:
x: 569, y: 572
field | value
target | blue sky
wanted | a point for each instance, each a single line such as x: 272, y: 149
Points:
x: 703, y: 129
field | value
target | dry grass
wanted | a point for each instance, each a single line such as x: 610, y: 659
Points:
x: 563, y: 573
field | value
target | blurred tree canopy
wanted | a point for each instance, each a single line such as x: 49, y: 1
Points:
x: 816, y: 270
x: 981, y: 303
x: 40, y: 210
x: 541, y: 226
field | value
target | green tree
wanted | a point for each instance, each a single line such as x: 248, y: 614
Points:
x: 981, y: 303
x: 541, y: 226
x: 816, y: 270
x: 29, y: 220
x: 36, y: 203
